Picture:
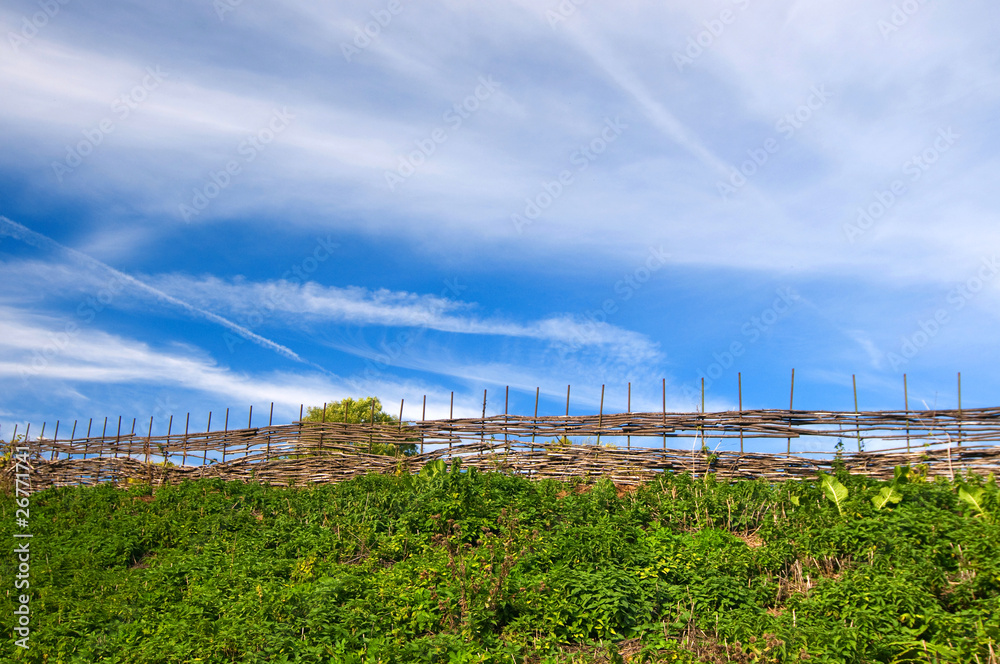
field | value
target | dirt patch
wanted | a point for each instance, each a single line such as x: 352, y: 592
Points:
x: 752, y: 540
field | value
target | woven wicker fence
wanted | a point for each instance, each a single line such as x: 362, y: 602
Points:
x: 948, y: 442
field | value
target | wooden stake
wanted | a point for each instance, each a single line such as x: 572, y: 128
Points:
x: 701, y: 431
x: 55, y: 439
x: 906, y: 406
x: 148, y: 436
x: 628, y: 443
x: 423, y: 416
x: 225, y: 436
x: 739, y: 387
x: 959, y: 408
x: 482, y: 434
x: 451, y: 416
x: 566, y: 433
x: 506, y: 403
x: 270, y: 420
x: 664, y: 413
x: 371, y: 433
x: 208, y: 429
x: 104, y: 435
x: 86, y: 446
x: 791, y: 399
x: 600, y: 418
x: 322, y: 421
x: 535, y: 423
x: 854, y: 382
x: 184, y: 453
x: 534, y: 426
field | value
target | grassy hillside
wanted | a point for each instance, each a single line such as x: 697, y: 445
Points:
x: 468, y: 567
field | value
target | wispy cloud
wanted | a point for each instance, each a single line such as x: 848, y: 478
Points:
x: 16, y: 231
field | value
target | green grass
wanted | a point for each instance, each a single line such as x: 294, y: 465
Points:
x: 468, y: 567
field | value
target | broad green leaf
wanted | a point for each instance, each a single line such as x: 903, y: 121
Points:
x: 834, y: 491
x: 974, y: 498
x: 795, y: 500
x: 887, y: 495
x: 901, y: 474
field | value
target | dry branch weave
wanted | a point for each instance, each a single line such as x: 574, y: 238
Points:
x: 310, y: 452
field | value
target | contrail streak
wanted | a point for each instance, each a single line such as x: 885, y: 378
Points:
x: 18, y: 232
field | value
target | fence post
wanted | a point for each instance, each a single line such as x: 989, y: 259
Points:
x: 104, y: 435
x: 600, y: 418
x: 451, y: 416
x: 628, y: 409
x: 225, y: 436
x: 184, y: 455
x: 506, y: 402
x: 482, y: 425
x: 566, y: 430
x: 423, y: 416
x: 55, y: 439
x: 322, y: 422
x: 208, y: 430
x: 270, y: 419
x: 959, y: 408
x: 906, y: 411
x: 72, y: 436
x: 86, y: 445
x: 148, y: 436
x: 791, y: 401
x: 534, y: 426
x: 739, y: 387
x: 857, y: 421
x: 166, y: 446
x: 664, y: 413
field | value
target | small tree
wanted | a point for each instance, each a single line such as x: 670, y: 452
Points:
x: 367, y: 410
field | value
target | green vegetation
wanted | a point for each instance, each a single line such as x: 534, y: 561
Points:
x: 451, y: 565
x: 366, y: 410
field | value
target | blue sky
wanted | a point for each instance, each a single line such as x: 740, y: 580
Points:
x: 218, y: 204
